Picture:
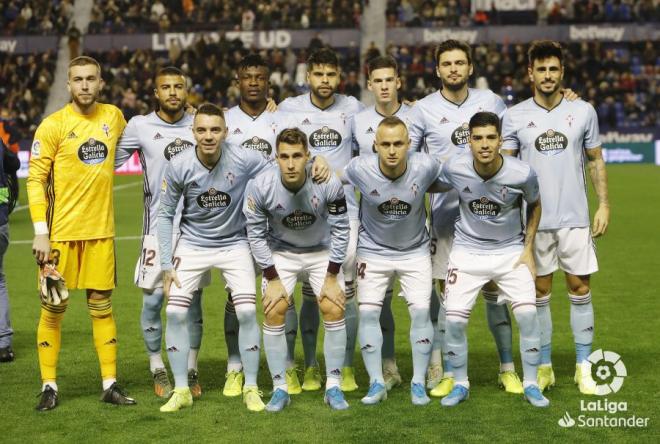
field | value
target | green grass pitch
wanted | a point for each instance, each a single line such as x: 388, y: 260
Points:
x: 625, y: 298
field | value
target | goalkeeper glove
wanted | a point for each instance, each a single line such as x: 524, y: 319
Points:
x: 52, y: 288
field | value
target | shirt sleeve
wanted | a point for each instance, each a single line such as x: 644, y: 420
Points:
x: 128, y: 143
x: 350, y: 171
x: 510, y: 139
x: 355, y: 147
x: 531, y: 187
x: 171, y: 191
x: 499, y: 107
x: 443, y: 180
x: 254, y: 162
x: 416, y: 129
x: 339, y: 225
x: 44, y: 149
x: 591, y: 132
x: 257, y: 229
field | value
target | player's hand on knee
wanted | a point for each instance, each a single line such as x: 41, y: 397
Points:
x: 41, y: 248
x: 169, y: 278
x: 527, y: 259
x: 52, y: 288
x: 271, y: 106
x: 570, y: 95
x: 601, y: 220
x: 321, y: 171
x: 274, y: 292
x: 333, y: 292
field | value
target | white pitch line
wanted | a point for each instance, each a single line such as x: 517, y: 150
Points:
x: 115, y: 188
x: 120, y: 238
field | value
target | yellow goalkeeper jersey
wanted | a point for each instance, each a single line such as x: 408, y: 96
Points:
x: 71, y: 173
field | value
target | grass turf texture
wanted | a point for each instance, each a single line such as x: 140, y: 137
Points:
x: 626, y: 308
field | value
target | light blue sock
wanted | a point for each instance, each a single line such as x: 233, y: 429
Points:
x: 150, y: 320
x: 351, y: 317
x: 177, y: 339
x: 309, y: 325
x: 291, y: 331
x: 530, y: 341
x: 371, y: 343
x: 196, y: 322
x: 387, y: 325
x: 231, y: 328
x: 457, y: 348
x: 442, y: 332
x: 545, y: 322
x: 421, y: 339
x: 582, y: 324
x: 499, y: 323
x: 248, y: 336
x: 275, y: 346
x: 334, y: 348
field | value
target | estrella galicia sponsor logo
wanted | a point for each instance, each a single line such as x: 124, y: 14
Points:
x: 176, y: 147
x: 92, y: 152
x: 325, y: 137
x: 395, y: 209
x: 461, y: 135
x: 214, y: 200
x: 484, y: 208
x: 298, y: 220
x: 551, y: 143
x: 257, y: 144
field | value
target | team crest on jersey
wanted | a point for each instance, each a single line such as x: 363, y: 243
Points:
x: 230, y: 177
x: 395, y: 209
x: 92, y: 152
x: 484, y: 208
x: 325, y: 137
x: 106, y: 129
x: 214, y: 200
x: 461, y: 135
x: 315, y: 201
x: 176, y: 147
x: 570, y: 119
x: 158, y: 136
x: 415, y: 189
x: 504, y: 192
x: 257, y: 144
x: 36, y: 148
x: 551, y: 143
x: 298, y: 220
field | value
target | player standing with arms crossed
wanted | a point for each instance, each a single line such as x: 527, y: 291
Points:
x: 158, y: 137
x: 299, y: 228
x: 554, y: 136
x: 71, y: 204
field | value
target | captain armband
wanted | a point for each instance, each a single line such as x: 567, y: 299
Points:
x: 337, y: 207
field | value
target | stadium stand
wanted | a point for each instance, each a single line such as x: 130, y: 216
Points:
x: 127, y: 16
x: 35, y: 16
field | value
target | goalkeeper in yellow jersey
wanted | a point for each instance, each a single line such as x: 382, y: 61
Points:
x: 70, y: 196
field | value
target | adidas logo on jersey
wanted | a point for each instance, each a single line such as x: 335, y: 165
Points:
x: 467, y: 190
x: 279, y: 207
x: 374, y: 193
x: 443, y: 120
x: 193, y: 184
x: 306, y: 122
x: 237, y: 131
x: 531, y: 124
x: 370, y: 131
x: 71, y: 135
x: 158, y: 136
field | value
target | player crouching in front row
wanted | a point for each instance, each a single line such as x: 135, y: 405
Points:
x: 299, y: 228
x: 490, y: 244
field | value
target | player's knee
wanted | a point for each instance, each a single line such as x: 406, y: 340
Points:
x: 455, y: 327
x: 176, y: 313
x: 277, y: 314
x: 369, y: 315
x: 578, y: 287
x: 543, y: 286
x: 152, y: 302
x: 98, y: 294
x: 330, y: 311
x: 246, y: 312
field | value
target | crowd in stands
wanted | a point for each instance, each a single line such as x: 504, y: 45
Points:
x: 622, y: 81
x: 130, y: 16
x: 45, y: 17
x: 26, y: 80
x: 211, y: 68
x: 460, y: 12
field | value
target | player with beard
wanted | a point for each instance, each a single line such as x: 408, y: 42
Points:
x: 440, y: 122
x: 158, y: 137
x: 71, y: 204
x: 555, y: 136
x: 325, y: 117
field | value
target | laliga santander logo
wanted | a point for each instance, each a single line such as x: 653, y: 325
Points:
x: 607, y: 370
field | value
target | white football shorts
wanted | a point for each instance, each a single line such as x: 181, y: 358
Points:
x: 571, y: 249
